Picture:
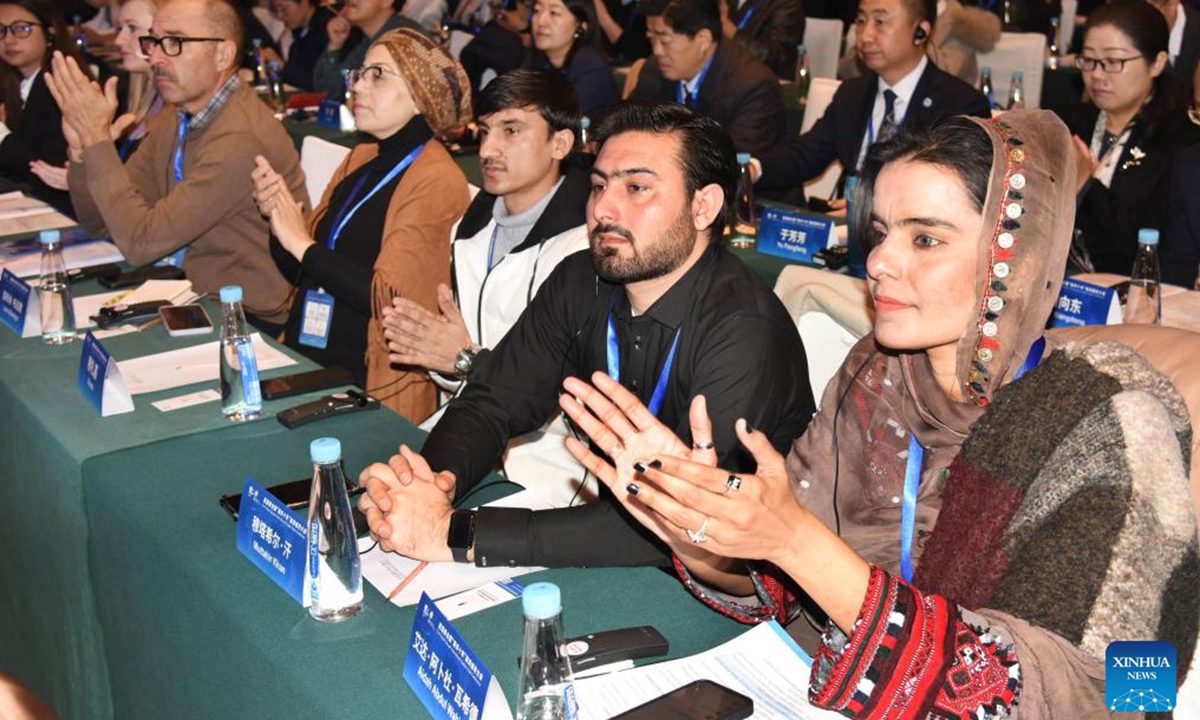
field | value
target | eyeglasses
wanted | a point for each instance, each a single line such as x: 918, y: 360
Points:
x: 19, y: 30
x: 171, y: 45
x: 371, y: 74
x: 1108, y: 65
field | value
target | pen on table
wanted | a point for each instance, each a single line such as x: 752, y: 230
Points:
x: 407, y: 579
x: 152, y: 323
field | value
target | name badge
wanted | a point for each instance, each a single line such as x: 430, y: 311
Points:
x: 19, y: 306
x: 448, y: 677
x: 1082, y: 303
x: 792, y: 235
x: 273, y: 537
x: 316, y: 318
x: 100, y: 379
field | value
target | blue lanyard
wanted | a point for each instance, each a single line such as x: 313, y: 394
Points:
x: 746, y: 18
x: 492, y: 248
x: 185, y: 120
x: 912, y: 474
x: 614, y: 366
x: 683, y: 97
x: 347, y: 212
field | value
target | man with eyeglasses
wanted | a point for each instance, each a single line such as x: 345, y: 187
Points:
x: 185, y: 195
x: 351, y: 32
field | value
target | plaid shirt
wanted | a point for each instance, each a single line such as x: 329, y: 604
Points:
x: 214, y: 106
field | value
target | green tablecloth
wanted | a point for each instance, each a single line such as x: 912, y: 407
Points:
x: 49, y: 634
x: 193, y: 630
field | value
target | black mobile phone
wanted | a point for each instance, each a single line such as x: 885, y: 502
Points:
x: 299, y: 383
x: 182, y: 320
x: 699, y: 700
x: 141, y: 275
x: 295, y: 495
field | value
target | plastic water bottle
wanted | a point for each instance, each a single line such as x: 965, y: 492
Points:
x: 585, y: 134
x: 985, y: 86
x: 802, y: 77
x: 241, y: 395
x: 80, y: 34
x: 547, y: 685
x: 744, y: 219
x: 1055, y: 42
x: 260, y: 62
x: 1144, y: 304
x: 1016, y: 91
x: 275, y: 86
x: 334, y: 571
x: 54, y: 292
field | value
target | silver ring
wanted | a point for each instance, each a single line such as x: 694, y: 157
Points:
x: 703, y: 446
x: 699, y: 536
x: 732, y: 484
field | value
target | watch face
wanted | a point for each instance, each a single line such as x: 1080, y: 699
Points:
x: 462, y: 529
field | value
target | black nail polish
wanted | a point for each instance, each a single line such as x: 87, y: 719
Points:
x: 632, y: 489
x: 656, y: 464
x: 639, y: 466
x: 749, y: 429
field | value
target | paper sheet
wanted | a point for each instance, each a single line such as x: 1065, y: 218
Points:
x: 187, y: 366
x: 387, y: 571
x: 762, y: 663
x: 75, y: 255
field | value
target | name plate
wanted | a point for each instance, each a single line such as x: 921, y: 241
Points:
x: 100, y: 379
x: 19, y: 306
x: 333, y: 114
x: 792, y: 235
x: 1082, y: 303
x: 448, y: 677
x: 273, y: 537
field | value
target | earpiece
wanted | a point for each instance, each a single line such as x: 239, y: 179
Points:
x: 919, y: 35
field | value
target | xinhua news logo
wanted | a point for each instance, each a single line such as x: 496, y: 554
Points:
x: 1139, y: 676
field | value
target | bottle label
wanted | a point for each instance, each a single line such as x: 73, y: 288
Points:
x: 570, y: 707
x: 272, y: 537
x: 251, y: 389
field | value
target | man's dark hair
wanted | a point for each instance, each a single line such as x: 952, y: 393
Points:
x: 687, y: 17
x: 550, y: 92
x: 955, y: 143
x: 706, y: 153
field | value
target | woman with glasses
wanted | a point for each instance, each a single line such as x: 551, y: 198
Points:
x: 382, y: 230
x: 1128, y: 133
x: 564, y: 38
x: 31, y: 126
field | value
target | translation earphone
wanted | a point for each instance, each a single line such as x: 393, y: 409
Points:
x: 919, y: 34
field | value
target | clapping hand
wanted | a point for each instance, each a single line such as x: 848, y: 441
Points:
x: 419, y: 337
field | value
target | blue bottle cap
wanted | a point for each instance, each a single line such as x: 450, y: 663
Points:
x: 1018, y: 75
x: 46, y: 237
x: 985, y: 70
x: 541, y: 601
x: 1148, y: 236
x: 800, y: 48
x: 743, y: 158
x: 325, y: 450
x: 231, y: 294
x: 256, y: 42
x: 585, y: 122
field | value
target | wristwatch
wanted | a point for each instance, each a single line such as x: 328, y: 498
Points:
x: 465, y: 359
x: 462, y: 534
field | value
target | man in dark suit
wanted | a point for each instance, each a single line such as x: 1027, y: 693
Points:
x: 692, y: 66
x: 769, y: 29
x: 1184, y: 43
x: 904, y: 86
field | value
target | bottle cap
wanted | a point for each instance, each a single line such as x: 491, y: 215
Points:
x: 231, y: 294
x: 585, y: 122
x: 46, y: 237
x: 985, y: 70
x: 1148, y: 236
x: 541, y: 601
x: 274, y: 65
x: 256, y: 42
x: 325, y: 450
x: 743, y: 158
x: 800, y: 48
x: 1018, y: 75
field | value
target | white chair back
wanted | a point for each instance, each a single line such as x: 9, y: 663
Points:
x: 1017, y: 51
x: 1066, y: 26
x: 319, y: 159
x: 273, y: 24
x: 820, y: 94
x: 823, y: 40
x: 458, y: 41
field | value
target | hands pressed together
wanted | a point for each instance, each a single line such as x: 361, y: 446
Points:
x: 88, y: 109
x: 408, y: 506
x: 419, y: 337
x: 276, y: 203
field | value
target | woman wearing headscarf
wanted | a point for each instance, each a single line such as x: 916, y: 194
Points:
x: 975, y: 513
x: 382, y: 229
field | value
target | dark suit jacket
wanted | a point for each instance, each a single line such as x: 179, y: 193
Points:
x: 771, y: 33
x: 838, y: 135
x: 1189, y: 50
x: 1180, y: 251
x: 305, y: 49
x: 38, y: 137
x: 1138, y: 196
x: 740, y: 92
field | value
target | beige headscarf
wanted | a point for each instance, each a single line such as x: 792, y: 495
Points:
x: 438, y: 83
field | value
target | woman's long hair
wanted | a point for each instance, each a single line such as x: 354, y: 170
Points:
x: 141, y: 93
x: 57, y: 38
x: 587, y: 34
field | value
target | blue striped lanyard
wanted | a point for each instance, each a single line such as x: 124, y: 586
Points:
x: 912, y: 474
x: 746, y: 18
x: 347, y: 211
x: 614, y: 366
x: 683, y: 97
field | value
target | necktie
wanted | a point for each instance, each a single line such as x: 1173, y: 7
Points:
x: 185, y: 120
x: 888, y: 127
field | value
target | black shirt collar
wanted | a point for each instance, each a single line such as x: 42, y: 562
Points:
x: 674, y: 305
x: 394, y: 147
